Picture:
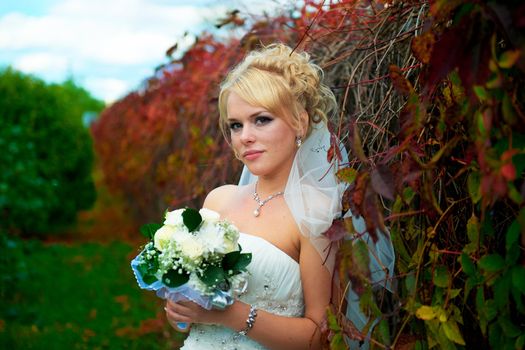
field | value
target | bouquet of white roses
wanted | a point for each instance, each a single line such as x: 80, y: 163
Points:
x: 193, y: 256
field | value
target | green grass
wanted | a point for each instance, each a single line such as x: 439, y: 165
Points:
x: 76, y: 296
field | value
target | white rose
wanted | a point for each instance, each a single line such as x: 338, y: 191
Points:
x: 209, y: 215
x: 182, y: 235
x: 231, y: 238
x: 163, y: 236
x: 229, y: 246
x: 212, y: 237
x: 174, y: 218
x: 191, y: 248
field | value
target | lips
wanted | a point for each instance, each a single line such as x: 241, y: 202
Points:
x: 251, y: 155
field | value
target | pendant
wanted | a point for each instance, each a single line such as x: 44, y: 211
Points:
x: 256, y: 212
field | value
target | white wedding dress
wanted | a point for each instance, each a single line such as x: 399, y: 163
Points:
x: 274, y: 285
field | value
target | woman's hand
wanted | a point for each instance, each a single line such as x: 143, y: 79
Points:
x: 188, y: 312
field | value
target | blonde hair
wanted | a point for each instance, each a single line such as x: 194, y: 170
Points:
x: 282, y: 81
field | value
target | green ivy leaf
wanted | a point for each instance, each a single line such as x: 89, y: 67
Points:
x: 496, y: 338
x: 426, y: 313
x: 480, y: 92
x: 480, y: 298
x: 512, y: 235
x: 513, y: 255
x: 384, y: 331
x: 518, y: 278
x: 517, y: 295
x: 452, y: 332
x: 337, y: 342
x: 441, y: 276
x: 410, y: 284
x: 191, y: 218
x: 491, y: 263
x: 454, y: 292
x: 468, y: 266
x: 519, y: 159
x: 520, y: 342
x: 508, y: 110
x: 474, y: 185
x: 508, y: 58
x: 408, y: 194
x: 502, y: 287
x: 361, y: 257
x: 332, y: 321
x: 513, y: 193
x: 509, y: 328
x: 473, y: 229
x: 490, y: 310
x: 174, y: 279
x: 469, y: 284
x: 148, y: 230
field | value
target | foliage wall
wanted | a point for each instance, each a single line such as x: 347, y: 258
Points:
x: 47, y: 154
x: 431, y: 97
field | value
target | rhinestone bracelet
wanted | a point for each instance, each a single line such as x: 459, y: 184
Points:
x: 250, y: 321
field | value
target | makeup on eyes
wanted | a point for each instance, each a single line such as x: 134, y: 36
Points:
x: 257, y: 119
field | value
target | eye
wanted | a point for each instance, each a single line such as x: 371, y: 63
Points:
x: 235, y: 126
x: 262, y: 120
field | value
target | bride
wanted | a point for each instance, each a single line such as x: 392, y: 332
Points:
x: 273, y: 111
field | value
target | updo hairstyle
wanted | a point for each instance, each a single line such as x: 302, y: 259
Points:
x: 283, y: 82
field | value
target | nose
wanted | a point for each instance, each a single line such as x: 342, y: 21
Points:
x: 247, y: 135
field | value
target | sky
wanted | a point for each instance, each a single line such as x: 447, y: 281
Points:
x: 109, y: 47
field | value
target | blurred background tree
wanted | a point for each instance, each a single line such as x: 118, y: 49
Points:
x: 47, y: 154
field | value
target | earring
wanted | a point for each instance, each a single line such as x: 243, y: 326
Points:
x: 298, y: 141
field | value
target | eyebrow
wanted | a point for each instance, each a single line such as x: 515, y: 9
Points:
x: 256, y: 114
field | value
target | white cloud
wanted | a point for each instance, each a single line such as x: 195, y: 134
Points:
x: 41, y: 61
x: 111, y: 88
x: 110, y: 46
x: 125, y: 32
x: 97, y: 36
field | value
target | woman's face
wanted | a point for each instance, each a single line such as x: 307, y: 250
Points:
x: 264, y: 142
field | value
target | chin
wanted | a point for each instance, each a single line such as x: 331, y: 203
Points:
x: 255, y: 170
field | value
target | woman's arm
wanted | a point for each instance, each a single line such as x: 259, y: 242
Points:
x: 273, y: 331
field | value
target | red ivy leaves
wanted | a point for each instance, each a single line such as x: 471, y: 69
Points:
x: 362, y: 200
x: 422, y: 46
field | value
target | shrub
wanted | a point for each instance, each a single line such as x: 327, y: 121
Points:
x: 46, y: 156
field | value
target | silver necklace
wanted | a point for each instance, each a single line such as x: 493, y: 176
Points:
x: 260, y: 202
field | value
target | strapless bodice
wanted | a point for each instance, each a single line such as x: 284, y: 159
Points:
x: 274, y: 285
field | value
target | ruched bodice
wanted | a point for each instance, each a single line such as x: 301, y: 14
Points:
x: 274, y: 285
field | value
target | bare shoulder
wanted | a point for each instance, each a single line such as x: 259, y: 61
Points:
x: 218, y: 197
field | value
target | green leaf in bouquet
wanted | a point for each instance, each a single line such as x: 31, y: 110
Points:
x: 230, y: 259
x: 213, y: 276
x: 191, y: 218
x: 147, y: 271
x: 174, y: 279
x: 143, y: 269
x: 149, y: 279
x: 148, y: 230
x: 242, y: 262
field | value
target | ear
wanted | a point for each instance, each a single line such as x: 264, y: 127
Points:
x: 304, y: 121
